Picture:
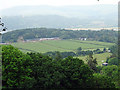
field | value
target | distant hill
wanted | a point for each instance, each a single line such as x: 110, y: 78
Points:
x: 37, y: 33
x: 60, y: 17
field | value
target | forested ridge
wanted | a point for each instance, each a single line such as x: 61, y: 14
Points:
x: 34, y: 33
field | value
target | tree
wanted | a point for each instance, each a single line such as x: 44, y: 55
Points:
x: 77, y: 74
x: 104, y: 50
x: 114, y: 50
x: 97, y: 51
x: 102, y: 81
x: 79, y: 52
x: 33, y: 33
x: 16, y: 68
x: 79, y: 49
x: 47, y: 72
x: 64, y: 73
x: 111, y: 71
x: 113, y: 61
x: 58, y: 56
x: 92, y: 62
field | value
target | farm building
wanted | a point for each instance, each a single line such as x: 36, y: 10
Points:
x: 105, y: 64
x: 4, y: 43
x: 83, y: 39
x: 42, y: 39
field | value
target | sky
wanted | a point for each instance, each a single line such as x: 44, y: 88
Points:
x: 12, y: 3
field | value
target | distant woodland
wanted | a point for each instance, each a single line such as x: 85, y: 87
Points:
x: 34, y: 33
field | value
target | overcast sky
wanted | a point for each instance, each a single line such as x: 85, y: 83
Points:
x: 11, y: 3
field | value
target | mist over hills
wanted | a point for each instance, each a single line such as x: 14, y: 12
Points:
x: 60, y: 16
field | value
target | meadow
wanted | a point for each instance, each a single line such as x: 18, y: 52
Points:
x: 60, y: 45
x: 66, y: 46
x: 101, y: 58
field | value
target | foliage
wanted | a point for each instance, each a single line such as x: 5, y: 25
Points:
x: 16, y: 68
x: 104, y: 50
x: 102, y: 81
x: 34, y: 33
x: 78, y: 75
x: 58, y: 56
x: 84, y: 52
x: 46, y: 73
x: 114, y: 50
x: 79, y: 49
x: 99, y: 68
x: 101, y: 58
x: 92, y: 62
x: 98, y: 51
x: 66, y: 54
x: 66, y: 73
x: 111, y: 71
x: 113, y: 61
x: 34, y: 70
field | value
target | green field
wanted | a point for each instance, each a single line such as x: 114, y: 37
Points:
x: 60, y: 45
x: 101, y: 58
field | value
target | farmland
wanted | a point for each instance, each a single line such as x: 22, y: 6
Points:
x: 101, y: 58
x: 60, y: 45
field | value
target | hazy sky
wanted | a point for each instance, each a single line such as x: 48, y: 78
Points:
x: 11, y: 3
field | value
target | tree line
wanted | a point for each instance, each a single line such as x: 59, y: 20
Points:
x: 79, y: 52
x: 33, y: 33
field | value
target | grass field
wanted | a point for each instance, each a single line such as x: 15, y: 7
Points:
x: 60, y: 45
x: 101, y: 58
